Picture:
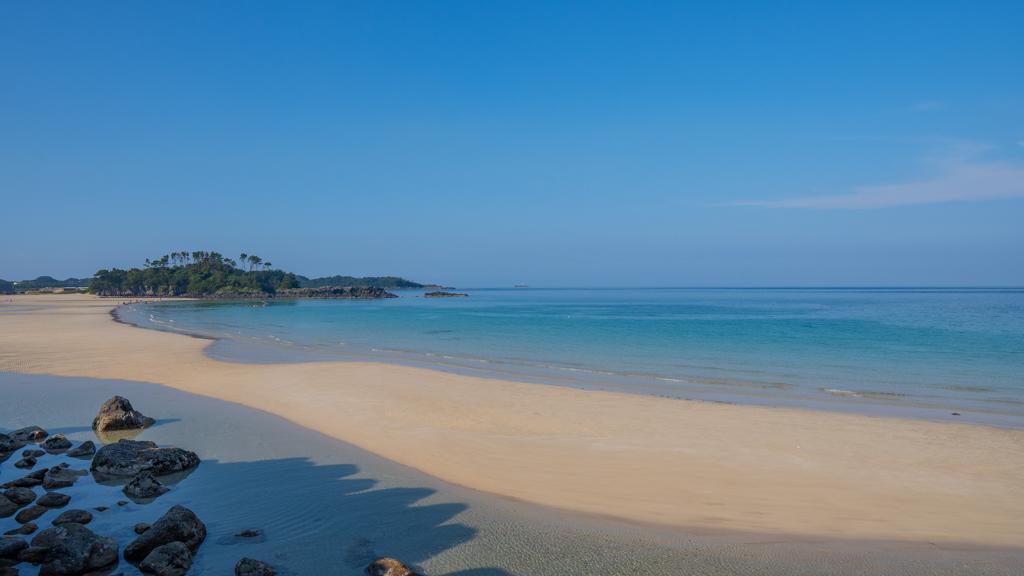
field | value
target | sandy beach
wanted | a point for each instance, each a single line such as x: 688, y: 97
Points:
x: 703, y: 466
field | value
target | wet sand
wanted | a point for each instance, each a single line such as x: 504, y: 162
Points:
x: 322, y: 503
x: 701, y: 466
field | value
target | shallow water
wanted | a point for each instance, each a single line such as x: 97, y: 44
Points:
x: 327, y: 507
x: 909, y: 352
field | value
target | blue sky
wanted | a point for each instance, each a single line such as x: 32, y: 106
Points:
x: 491, y: 143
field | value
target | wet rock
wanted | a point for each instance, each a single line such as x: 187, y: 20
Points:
x: 29, y: 480
x: 34, y: 453
x: 76, y: 516
x: 144, y: 486
x: 53, y: 500
x: 56, y: 443
x: 20, y: 496
x: 25, y: 463
x: 28, y: 434
x: 73, y: 549
x: 250, y: 533
x: 122, y: 502
x: 129, y: 457
x: 118, y: 414
x: 388, y: 567
x: 7, y: 508
x: 23, y: 530
x: 140, y: 527
x: 250, y: 567
x: 59, y: 477
x: 179, y: 524
x: 10, y: 547
x: 100, y: 508
x: 29, y: 514
x: 87, y: 448
x: 8, y: 570
x: 171, y: 559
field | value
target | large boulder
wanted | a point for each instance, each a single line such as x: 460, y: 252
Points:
x: 130, y: 457
x: 118, y: 414
x: 388, y: 567
x: 72, y: 549
x: 179, y: 524
x: 144, y: 486
x: 250, y: 567
x: 171, y: 559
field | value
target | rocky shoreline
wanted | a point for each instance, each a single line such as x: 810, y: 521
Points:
x: 136, y: 470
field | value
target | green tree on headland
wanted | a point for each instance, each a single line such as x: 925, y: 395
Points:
x: 196, y: 274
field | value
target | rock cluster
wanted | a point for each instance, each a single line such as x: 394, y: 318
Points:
x: 339, y: 292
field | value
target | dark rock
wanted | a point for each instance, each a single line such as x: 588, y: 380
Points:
x: 388, y: 567
x: 73, y: 549
x: 28, y: 434
x: 29, y: 514
x: 250, y: 533
x: 122, y: 502
x: 144, y: 486
x: 100, y: 508
x: 140, y: 527
x: 23, y: 530
x: 53, y: 500
x: 7, y: 507
x: 129, y: 457
x: 250, y: 567
x: 10, y: 547
x: 84, y: 449
x: 440, y: 294
x: 8, y: 571
x: 25, y: 463
x: 59, y: 477
x: 34, y: 453
x: 29, y: 480
x: 76, y: 516
x: 20, y: 496
x: 118, y: 414
x: 171, y: 559
x: 56, y: 443
x: 178, y: 524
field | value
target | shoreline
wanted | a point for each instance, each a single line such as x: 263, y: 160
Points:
x: 670, y: 462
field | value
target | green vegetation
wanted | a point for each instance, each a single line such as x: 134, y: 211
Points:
x: 41, y: 283
x: 194, y: 274
x: 368, y: 281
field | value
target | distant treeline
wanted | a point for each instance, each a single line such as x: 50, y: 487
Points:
x: 201, y: 274
x: 41, y: 283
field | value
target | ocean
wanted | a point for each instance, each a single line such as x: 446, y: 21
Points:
x: 948, y: 354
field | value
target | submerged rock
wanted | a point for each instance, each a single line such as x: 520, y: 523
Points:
x: 34, y: 453
x: 140, y: 527
x: 179, y: 524
x: 144, y: 486
x: 388, y: 567
x: 251, y: 567
x: 73, y: 549
x: 25, y: 463
x: 29, y: 514
x: 130, y: 457
x: 20, y: 496
x: 86, y: 448
x: 171, y: 559
x: 118, y: 414
x: 56, y: 443
x: 53, y: 500
x: 23, y: 530
x: 59, y: 477
x: 75, y: 516
x: 29, y: 480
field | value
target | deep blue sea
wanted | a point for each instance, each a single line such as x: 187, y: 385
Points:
x: 922, y: 352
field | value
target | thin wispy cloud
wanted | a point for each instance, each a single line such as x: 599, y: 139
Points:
x: 958, y: 180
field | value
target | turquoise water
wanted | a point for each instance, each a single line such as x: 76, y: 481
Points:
x: 924, y: 351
